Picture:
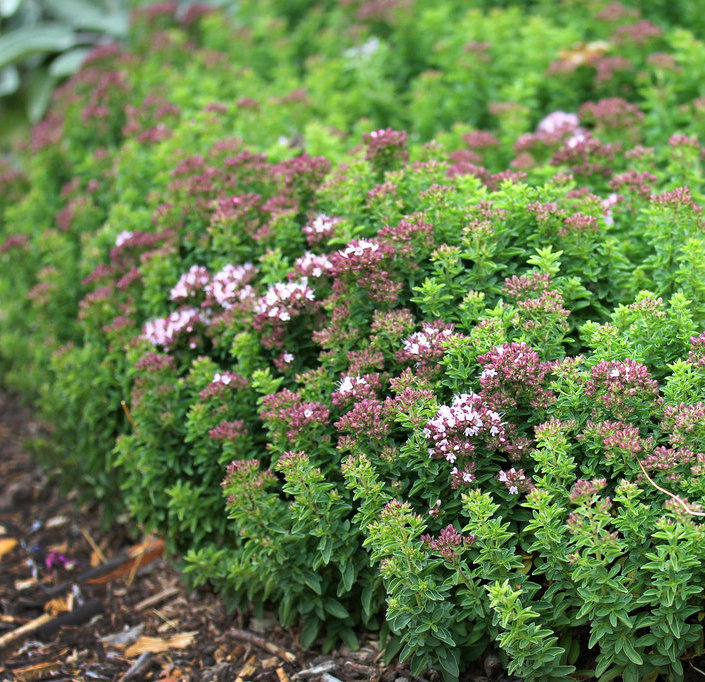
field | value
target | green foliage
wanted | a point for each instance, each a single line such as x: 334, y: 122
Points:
x: 451, y: 390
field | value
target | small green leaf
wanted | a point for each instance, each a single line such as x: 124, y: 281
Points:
x: 447, y: 657
x: 350, y: 638
x: 631, y: 652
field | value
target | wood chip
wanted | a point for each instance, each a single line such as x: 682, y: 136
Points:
x: 156, y: 598
x: 36, y: 671
x: 7, y: 545
x: 25, y: 629
x: 247, y: 669
x: 319, y: 669
x: 58, y: 605
x: 159, y: 644
x: 281, y: 674
x: 137, y: 556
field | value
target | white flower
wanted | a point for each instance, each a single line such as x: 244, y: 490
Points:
x: 558, y: 120
x: 123, y: 237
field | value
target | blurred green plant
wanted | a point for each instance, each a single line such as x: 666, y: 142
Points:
x: 44, y: 41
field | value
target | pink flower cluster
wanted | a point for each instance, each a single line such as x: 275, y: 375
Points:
x: 288, y: 410
x: 696, y: 356
x: 230, y: 285
x: 367, y: 419
x: 312, y: 265
x: 355, y: 388
x: 190, y: 284
x: 678, y: 198
x: 320, y: 229
x: 622, y: 442
x: 584, y: 490
x: 427, y: 347
x: 513, y: 374
x: 244, y: 477
x: 523, y: 287
x: 686, y: 424
x: 363, y: 263
x: 669, y: 461
x: 516, y: 481
x: 223, y: 381
x: 228, y: 430
x: 282, y: 302
x: 619, y: 386
x: 456, y: 428
x: 448, y: 542
x: 165, y: 331
x: 385, y: 146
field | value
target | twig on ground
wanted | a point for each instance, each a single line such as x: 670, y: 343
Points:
x: 138, y: 667
x: 263, y: 644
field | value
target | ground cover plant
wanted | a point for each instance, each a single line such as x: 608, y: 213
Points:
x: 407, y: 339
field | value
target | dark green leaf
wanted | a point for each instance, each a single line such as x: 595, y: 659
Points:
x: 309, y: 632
x: 335, y: 608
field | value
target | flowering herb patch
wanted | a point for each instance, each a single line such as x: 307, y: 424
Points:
x: 449, y: 390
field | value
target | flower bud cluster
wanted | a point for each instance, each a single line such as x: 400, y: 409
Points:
x: 363, y: 263
x: 620, y: 386
x: 166, y: 331
x: 287, y: 410
x: 355, y: 388
x: 513, y: 374
x: 228, y: 430
x: 448, y: 542
x: 223, y: 382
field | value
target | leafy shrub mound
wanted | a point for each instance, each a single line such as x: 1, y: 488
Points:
x: 452, y: 391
